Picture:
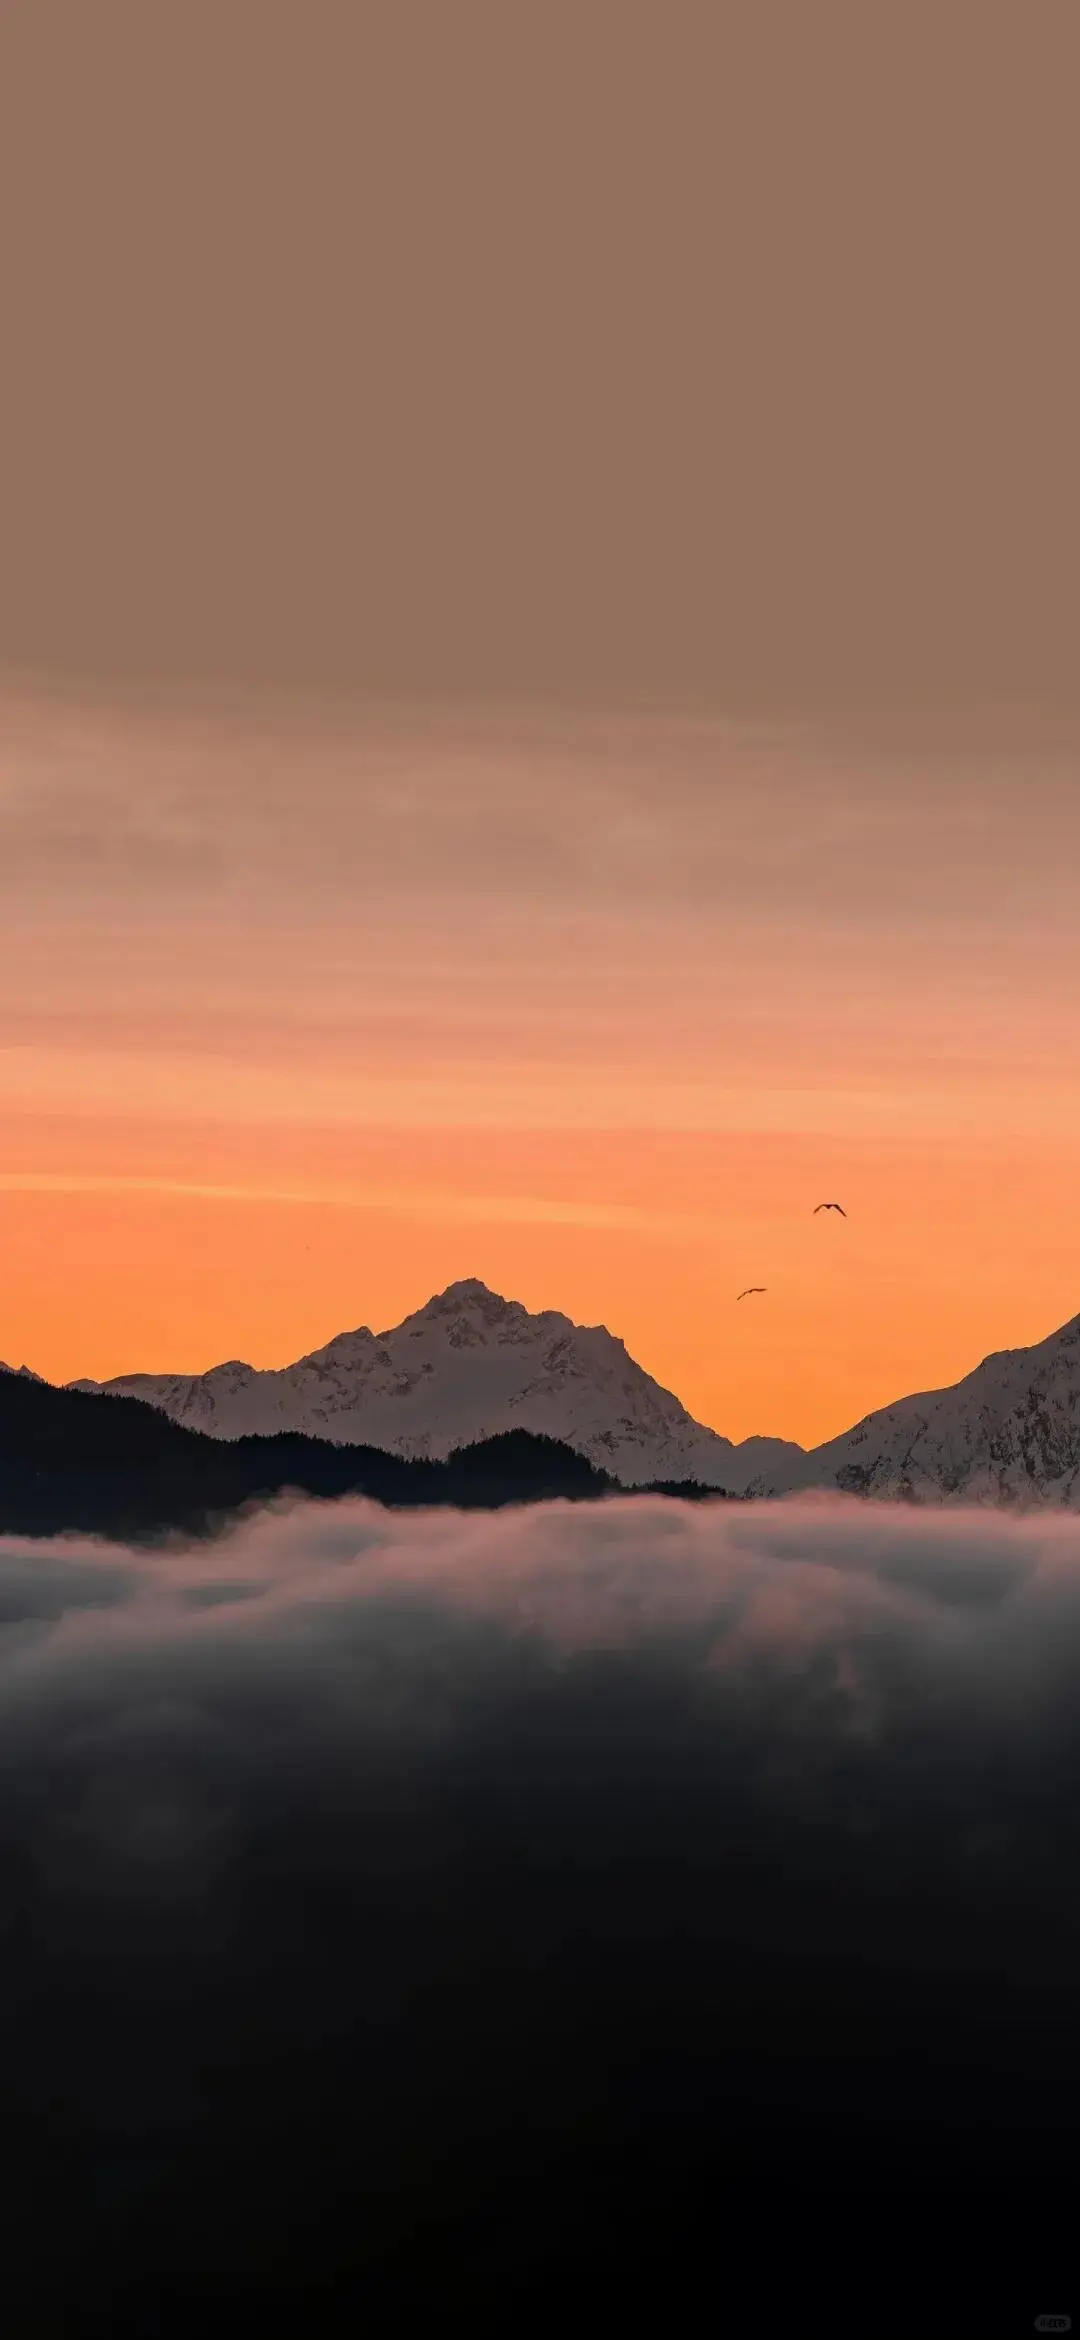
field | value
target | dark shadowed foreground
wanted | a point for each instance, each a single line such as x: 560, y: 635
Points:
x: 114, y: 1466
x: 535, y: 1915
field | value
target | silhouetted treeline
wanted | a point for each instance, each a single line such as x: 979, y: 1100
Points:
x: 119, y: 1467
x: 685, y: 1490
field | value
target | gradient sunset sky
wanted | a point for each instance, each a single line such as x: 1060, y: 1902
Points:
x: 540, y: 718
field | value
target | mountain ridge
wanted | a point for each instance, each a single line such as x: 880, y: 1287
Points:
x: 1007, y: 1433
x: 467, y: 1365
x: 73, y: 1462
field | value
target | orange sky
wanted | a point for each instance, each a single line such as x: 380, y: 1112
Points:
x: 307, y: 1014
x: 539, y: 569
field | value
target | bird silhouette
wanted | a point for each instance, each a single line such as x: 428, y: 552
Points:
x: 751, y: 1288
x: 829, y: 1207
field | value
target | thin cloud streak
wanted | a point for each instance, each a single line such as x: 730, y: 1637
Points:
x: 546, y: 1095
x: 514, y: 1210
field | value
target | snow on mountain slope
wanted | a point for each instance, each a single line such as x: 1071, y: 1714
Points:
x: 1009, y: 1433
x: 467, y: 1366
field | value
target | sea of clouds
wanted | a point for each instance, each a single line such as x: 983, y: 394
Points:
x: 401, y: 1913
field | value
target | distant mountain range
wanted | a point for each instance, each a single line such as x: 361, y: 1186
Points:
x: 467, y: 1366
x: 1009, y: 1433
x: 475, y: 1400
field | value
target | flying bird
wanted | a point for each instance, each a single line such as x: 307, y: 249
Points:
x: 829, y: 1207
x: 751, y: 1288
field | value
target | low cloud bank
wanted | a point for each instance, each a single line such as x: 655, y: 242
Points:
x: 402, y: 1910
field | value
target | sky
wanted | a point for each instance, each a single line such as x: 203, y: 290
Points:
x: 539, y: 719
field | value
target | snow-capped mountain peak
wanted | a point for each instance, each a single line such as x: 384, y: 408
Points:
x: 467, y: 1365
x: 1008, y: 1433
x: 470, y: 1363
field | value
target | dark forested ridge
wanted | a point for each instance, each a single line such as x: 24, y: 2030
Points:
x: 116, y: 1466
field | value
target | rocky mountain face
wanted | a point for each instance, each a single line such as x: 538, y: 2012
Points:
x: 1009, y: 1433
x: 469, y: 1365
